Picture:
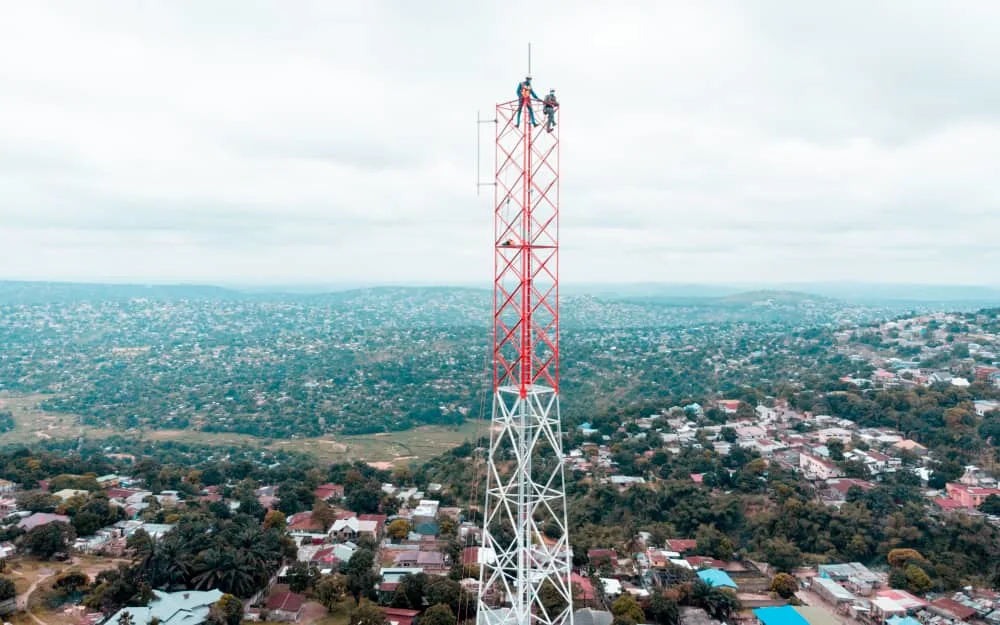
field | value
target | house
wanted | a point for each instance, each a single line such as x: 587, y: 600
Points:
x: 432, y: 562
x: 400, y: 616
x: 350, y: 529
x: 828, y: 434
x: 41, y: 518
x: 853, y: 575
x: 329, y: 492
x: 831, y: 592
x: 68, y: 493
x: 912, y: 447
x: 949, y: 608
x: 186, y: 607
x: 285, y: 606
x: 986, y: 405
x: 583, y: 586
x: 766, y: 414
x: 837, y: 488
x: 749, y: 433
x: 728, y: 406
x: 302, y: 524
x: 624, y: 482
x: 715, y: 577
x: 682, y: 545
x: 602, y: 557
x: 7, y: 487
x: 109, y: 481
x: 818, y: 469
x: 969, y: 496
x: 779, y: 615
x: 908, y: 602
x: 704, y: 562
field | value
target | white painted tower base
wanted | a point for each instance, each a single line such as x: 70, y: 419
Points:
x: 525, y: 528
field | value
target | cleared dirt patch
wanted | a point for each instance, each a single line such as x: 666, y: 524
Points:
x: 420, y: 443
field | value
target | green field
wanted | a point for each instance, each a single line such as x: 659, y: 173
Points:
x: 418, y: 444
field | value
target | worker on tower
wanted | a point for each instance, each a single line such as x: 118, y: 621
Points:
x: 525, y: 94
x: 550, y: 105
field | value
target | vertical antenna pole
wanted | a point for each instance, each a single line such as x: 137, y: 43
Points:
x: 529, y: 58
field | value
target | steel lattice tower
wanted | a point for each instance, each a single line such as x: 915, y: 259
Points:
x: 525, y: 534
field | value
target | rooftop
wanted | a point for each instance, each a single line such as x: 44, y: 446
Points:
x: 783, y: 615
x: 715, y: 577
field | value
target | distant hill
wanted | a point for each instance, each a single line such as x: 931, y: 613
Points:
x: 51, y: 292
x: 782, y: 297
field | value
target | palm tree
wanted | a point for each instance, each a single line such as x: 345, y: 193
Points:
x: 244, y: 574
x: 213, y: 566
x: 169, y: 564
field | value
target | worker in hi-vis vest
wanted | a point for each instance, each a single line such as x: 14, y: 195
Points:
x: 550, y: 104
x: 525, y: 94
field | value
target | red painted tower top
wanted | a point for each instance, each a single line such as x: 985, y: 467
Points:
x: 526, y: 260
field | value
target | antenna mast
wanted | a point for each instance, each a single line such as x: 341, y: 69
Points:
x: 525, y: 533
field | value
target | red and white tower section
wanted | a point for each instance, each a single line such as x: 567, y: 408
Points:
x: 525, y: 538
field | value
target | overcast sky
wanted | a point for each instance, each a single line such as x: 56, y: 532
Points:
x: 334, y: 141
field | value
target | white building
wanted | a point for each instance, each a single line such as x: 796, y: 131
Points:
x: 818, y: 469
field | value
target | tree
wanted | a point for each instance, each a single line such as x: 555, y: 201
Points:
x: 728, y: 434
x: 900, y: 557
x: 126, y: 618
x: 275, y: 519
x: 367, y: 613
x: 324, y: 514
x: 720, y: 603
x: 784, y: 584
x: 140, y: 544
x: 331, y: 590
x: 87, y: 523
x: 7, y: 589
x: 438, y: 614
x: 361, y: 578
x: 447, y: 526
x: 712, y: 542
x: 626, y: 607
x: 47, y: 540
x: 72, y: 581
x: 398, y: 529
x: 37, y: 501
x: 363, y: 500
x: 301, y: 577
x: 991, y: 505
x: 782, y: 554
x: 551, y: 599
x: 917, y: 579
x: 410, y: 592
x: 444, y: 590
x: 228, y: 610
x: 836, y: 447
x: 663, y: 610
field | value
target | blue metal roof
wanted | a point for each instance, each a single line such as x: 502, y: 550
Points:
x: 715, y: 577
x: 783, y: 615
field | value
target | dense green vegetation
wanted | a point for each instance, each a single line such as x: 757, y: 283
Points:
x: 373, y: 360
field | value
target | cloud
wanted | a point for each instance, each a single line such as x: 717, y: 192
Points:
x: 308, y: 141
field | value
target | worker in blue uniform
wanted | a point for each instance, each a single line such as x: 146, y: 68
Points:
x: 549, y: 106
x: 525, y: 94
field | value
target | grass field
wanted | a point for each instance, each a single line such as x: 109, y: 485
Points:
x: 418, y: 444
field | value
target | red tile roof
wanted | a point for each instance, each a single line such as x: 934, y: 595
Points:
x: 962, y: 612
x: 680, y: 545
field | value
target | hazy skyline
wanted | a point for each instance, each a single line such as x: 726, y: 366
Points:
x: 325, y: 142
